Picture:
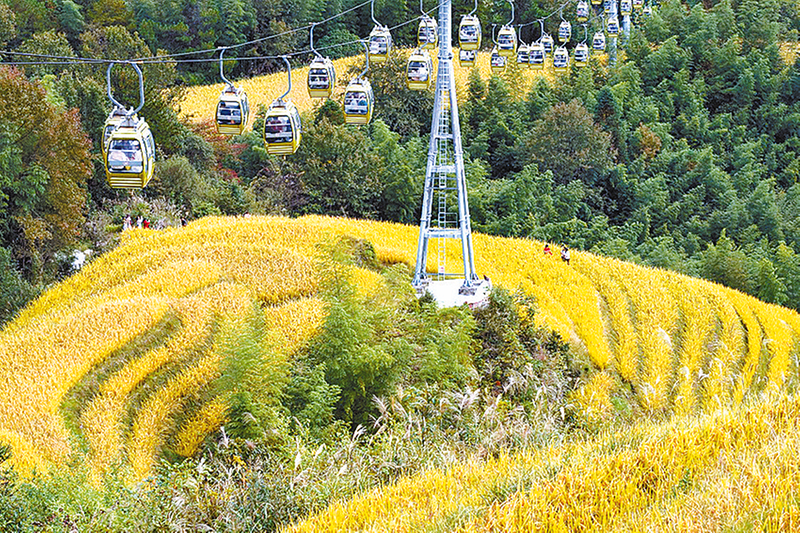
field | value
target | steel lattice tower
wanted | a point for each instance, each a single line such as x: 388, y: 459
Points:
x: 445, y: 182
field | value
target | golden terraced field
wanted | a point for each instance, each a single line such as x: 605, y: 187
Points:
x: 141, y: 324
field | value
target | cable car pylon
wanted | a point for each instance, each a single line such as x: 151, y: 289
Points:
x: 446, y: 189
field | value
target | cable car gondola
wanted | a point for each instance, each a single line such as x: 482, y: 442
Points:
x: 506, y: 43
x: 548, y: 43
x: 647, y: 10
x: 428, y: 31
x: 466, y: 58
x: 420, y: 70
x: 607, y: 6
x: 282, y: 127
x: 612, y: 26
x: 130, y: 153
x: 637, y: 4
x: 321, y: 74
x: 427, y: 34
x: 582, y: 11
x: 625, y: 7
x: 469, y: 32
x: 359, y: 101
x: 497, y: 61
x: 536, y: 56
x: 581, y: 53
x: 233, y: 111
x: 523, y: 54
x: 599, y: 42
x: 560, y: 59
x: 597, y: 2
x: 564, y: 31
x: 380, y: 44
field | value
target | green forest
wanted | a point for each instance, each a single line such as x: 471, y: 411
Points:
x: 682, y: 155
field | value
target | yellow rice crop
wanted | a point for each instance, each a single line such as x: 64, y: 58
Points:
x: 622, y: 317
x: 649, y: 477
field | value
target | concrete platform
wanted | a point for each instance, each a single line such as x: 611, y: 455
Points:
x: 448, y: 293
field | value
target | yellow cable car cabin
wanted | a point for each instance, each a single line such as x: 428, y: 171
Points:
x: 597, y: 2
x: 427, y: 33
x: 321, y: 78
x: 547, y: 42
x: 469, y: 33
x: 282, y: 128
x: 612, y: 28
x: 359, y: 102
x: 560, y: 59
x: 581, y: 55
x: 497, y: 61
x: 637, y: 4
x: 523, y: 54
x: 233, y: 111
x: 420, y: 70
x: 466, y: 58
x: 607, y: 6
x: 582, y: 11
x: 380, y: 44
x: 599, y: 42
x: 131, y: 154
x: 536, y: 56
x: 507, y: 41
x: 625, y: 7
x: 564, y: 31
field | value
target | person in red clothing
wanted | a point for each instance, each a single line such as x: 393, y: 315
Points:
x: 547, y: 250
x: 146, y: 224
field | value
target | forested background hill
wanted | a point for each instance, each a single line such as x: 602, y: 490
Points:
x: 684, y: 155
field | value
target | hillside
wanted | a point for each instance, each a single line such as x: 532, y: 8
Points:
x: 675, y: 344
x: 200, y: 102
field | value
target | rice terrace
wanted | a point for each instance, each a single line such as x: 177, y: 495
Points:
x: 467, y: 265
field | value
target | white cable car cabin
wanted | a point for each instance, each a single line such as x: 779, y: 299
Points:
x: 523, y: 54
x: 380, y: 44
x: 113, y: 120
x: 233, y: 111
x: 560, y: 59
x: 497, y: 61
x: 536, y: 56
x: 607, y: 6
x: 547, y: 43
x: 637, y: 4
x: 419, y: 71
x: 625, y: 7
x: 647, y: 10
x: 427, y: 33
x: 599, y: 42
x: 321, y: 78
x: 130, y: 157
x: 507, y: 41
x: 469, y: 33
x: 359, y: 102
x: 564, y: 31
x: 581, y: 53
x: 282, y: 128
x: 466, y: 58
x: 582, y: 11
x: 612, y: 27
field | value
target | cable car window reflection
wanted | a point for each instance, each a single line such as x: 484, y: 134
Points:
x: 125, y: 155
x: 229, y: 113
x: 378, y: 44
x: 318, y: 78
x: 505, y: 40
x: 278, y: 129
x: 498, y: 61
x: 418, y: 71
x: 355, y: 103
